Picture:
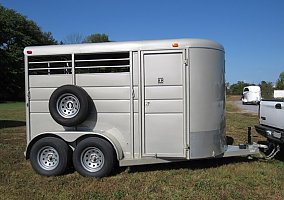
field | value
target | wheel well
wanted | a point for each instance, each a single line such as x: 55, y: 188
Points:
x: 34, y: 140
x: 98, y: 136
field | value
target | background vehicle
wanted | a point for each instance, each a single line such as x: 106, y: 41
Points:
x: 271, y: 124
x: 133, y: 103
x: 251, y: 94
x: 278, y: 94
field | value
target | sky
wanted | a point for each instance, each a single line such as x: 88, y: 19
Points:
x: 252, y: 31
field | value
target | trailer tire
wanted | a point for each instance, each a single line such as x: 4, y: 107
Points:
x: 50, y: 156
x: 69, y: 105
x: 94, y: 157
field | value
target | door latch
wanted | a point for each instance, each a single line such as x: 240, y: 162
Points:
x: 160, y: 80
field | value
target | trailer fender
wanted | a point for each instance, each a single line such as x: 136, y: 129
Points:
x: 108, y: 137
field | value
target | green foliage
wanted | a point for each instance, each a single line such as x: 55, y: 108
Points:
x: 266, y: 89
x: 237, y: 88
x: 97, y: 37
x: 280, y: 82
x: 16, y: 32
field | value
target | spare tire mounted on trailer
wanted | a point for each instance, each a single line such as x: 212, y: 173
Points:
x: 69, y: 105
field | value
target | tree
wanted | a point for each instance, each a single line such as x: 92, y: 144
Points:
x: 97, y: 37
x: 280, y: 82
x: 16, y: 33
x: 75, y: 38
x: 266, y: 89
x: 237, y: 88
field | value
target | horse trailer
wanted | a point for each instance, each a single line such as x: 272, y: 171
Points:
x: 131, y: 103
x: 251, y: 94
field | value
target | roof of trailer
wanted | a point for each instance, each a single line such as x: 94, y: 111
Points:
x: 122, y: 46
x: 253, y: 87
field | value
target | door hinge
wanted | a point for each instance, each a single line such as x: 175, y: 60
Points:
x: 29, y: 95
x: 133, y: 94
x: 185, y: 62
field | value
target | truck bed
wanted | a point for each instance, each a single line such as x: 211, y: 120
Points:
x: 271, y: 113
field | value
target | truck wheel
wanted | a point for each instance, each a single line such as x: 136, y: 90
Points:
x: 94, y: 157
x: 50, y: 156
x: 69, y: 105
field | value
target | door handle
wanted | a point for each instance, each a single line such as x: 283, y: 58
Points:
x: 278, y: 106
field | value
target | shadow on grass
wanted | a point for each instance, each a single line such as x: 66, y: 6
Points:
x: 11, y: 123
x: 192, y: 164
x: 280, y: 155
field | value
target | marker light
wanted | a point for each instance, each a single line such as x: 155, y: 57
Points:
x: 29, y: 52
x: 175, y: 45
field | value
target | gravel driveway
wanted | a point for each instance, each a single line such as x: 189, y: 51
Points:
x: 247, y: 108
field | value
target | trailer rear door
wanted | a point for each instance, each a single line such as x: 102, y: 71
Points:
x: 163, y: 109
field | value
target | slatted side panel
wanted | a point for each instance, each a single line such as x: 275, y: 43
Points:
x: 104, y: 76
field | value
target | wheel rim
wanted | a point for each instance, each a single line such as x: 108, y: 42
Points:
x: 68, y: 105
x: 48, y: 158
x: 92, y: 159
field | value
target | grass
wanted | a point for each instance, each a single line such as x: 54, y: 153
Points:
x: 230, y: 178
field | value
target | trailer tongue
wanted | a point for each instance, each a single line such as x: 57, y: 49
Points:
x: 243, y: 149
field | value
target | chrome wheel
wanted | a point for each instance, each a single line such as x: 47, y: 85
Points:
x: 48, y: 158
x: 94, y: 156
x: 68, y: 105
x: 92, y: 159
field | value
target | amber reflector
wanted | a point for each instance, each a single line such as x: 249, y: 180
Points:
x: 175, y: 44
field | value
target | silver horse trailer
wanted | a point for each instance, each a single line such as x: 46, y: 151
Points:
x: 133, y: 103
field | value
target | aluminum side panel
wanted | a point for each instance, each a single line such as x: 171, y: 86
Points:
x: 165, y: 92
x: 102, y: 106
x: 165, y: 66
x: 108, y: 93
x: 168, y: 138
x: 41, y: 93
x: 103, y: 79
x: 112, y: 106
x: 207, y: 103
x: 163, y: 106
x: 207, y: 90
x: 50, y: 81
x: 206, y: 144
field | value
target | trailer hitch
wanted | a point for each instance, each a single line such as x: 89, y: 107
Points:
x: 268, y: 150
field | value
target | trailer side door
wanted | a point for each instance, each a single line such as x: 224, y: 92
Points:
x: 163, y: 109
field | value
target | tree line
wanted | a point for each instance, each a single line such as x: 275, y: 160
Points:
x: 17, y: 32
x: 267, y: 87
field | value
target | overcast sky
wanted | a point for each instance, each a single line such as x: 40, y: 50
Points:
x: 252, y: 31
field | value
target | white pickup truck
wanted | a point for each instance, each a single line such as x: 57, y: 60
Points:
x: 271, y: 124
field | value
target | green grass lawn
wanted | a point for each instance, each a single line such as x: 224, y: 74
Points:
x: 230, y: 178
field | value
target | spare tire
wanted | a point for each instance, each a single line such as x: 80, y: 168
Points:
x: 69, y: 105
